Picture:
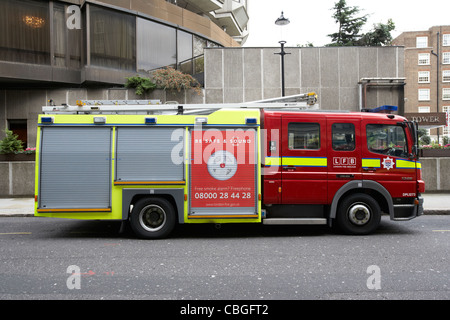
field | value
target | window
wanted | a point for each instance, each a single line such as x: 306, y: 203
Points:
x: 304, y: 136
x: 422, y: 42
x: 66, y: 41
x: 446, y: 128
x: 423, y: 109
x: 424, y: 76
x: 446, y: 57
x: 199, y: 48
x: 446, y: 76
x: 19, y: 127
x: 424, y: 59
x: 156, y: 45
x: 446, y: 94
x: 446, y: 40
x: 185, y: 51
x: 199, y: 45
x: 112, y: 39
x: 25, y: 31
x: 424, y: 94
x: 387, y: 140
x: 343, y: 136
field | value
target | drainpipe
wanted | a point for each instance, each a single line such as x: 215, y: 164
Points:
x: 360, y: 96
x: 437, y: 78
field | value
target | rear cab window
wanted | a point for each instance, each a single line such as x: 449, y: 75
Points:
x: 343, y: 136
x: 304, y: 136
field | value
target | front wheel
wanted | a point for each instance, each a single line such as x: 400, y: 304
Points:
x: 358, y: 214
x: 152, y: 218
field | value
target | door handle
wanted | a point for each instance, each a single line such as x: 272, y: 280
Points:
x: 345, y: 176
x: 369, y: 169
x: 288, y: 168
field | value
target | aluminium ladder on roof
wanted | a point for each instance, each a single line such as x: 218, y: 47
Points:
x: 307, y: 101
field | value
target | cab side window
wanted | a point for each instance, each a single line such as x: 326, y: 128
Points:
x: 387, y: 139
x: 304, y: 136
x: 343, y: 136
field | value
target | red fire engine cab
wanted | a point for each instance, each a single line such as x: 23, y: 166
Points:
x: 341, y: 168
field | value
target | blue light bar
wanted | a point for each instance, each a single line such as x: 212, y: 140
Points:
x: 150, y: 121
x: 384, y: 109
x: 251, y: 121
x: 47, y: 120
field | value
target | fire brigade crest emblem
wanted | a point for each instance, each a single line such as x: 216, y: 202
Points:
x: 388, y: 163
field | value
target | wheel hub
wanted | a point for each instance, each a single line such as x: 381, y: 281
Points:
x: 359, y: 214
x: 152, y: 217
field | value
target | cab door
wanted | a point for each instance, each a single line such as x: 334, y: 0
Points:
x: 386, y: 158
x: 344, y: 154
x: 303, y: 159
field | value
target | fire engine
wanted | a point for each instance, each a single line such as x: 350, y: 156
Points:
x: 156, y: 165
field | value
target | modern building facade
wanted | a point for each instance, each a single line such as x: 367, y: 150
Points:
x: 79, y: 49
x: 345, y: 78
x: 427, y: 72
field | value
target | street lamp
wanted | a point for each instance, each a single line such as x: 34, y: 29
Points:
x: 282, y: 21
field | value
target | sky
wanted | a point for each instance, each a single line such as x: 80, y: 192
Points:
x: 311, y: 21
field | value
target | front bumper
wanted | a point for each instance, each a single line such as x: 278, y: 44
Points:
x: 404, y: 212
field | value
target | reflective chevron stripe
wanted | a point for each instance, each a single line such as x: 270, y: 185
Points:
x: 371, y: 163
x: 296, y: 161
x: 406, y: 164
x: 304, y: 162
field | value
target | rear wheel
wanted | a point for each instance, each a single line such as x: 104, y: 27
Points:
x: 358, y: 214
x: 152, y: 218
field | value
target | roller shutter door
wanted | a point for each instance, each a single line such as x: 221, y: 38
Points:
x: 150, y: 154
x: 75, y: 167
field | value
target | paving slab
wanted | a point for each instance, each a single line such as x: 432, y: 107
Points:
x: 434, y: 203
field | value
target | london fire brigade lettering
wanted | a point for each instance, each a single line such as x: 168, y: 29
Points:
x: 344, y: 162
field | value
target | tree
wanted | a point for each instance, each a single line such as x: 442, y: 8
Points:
x: 379, y: 36
x: 349, y: 25
x: 306, y: 45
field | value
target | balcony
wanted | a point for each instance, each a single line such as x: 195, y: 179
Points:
x: 200, y: 6
x: 233, y: 18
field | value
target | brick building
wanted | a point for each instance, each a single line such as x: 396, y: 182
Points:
x: 427, y: 72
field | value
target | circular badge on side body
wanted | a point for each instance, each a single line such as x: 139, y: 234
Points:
x: 222, y: 165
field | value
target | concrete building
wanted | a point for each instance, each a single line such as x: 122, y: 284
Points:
x: 345, y: 78
x: 427, y: 72
x: 81, y: 49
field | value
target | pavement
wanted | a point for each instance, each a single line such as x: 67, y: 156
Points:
x: 434, y: 204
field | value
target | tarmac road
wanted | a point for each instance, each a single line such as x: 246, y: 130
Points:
x: 41, y: 259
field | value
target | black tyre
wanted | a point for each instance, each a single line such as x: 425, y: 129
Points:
x: 152, y: 218
x: 358, y: 214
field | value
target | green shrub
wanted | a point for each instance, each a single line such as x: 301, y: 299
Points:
x: 141, y: 84
x: 10, y: 143
x: 425, y: 139
x: 171, y: 79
